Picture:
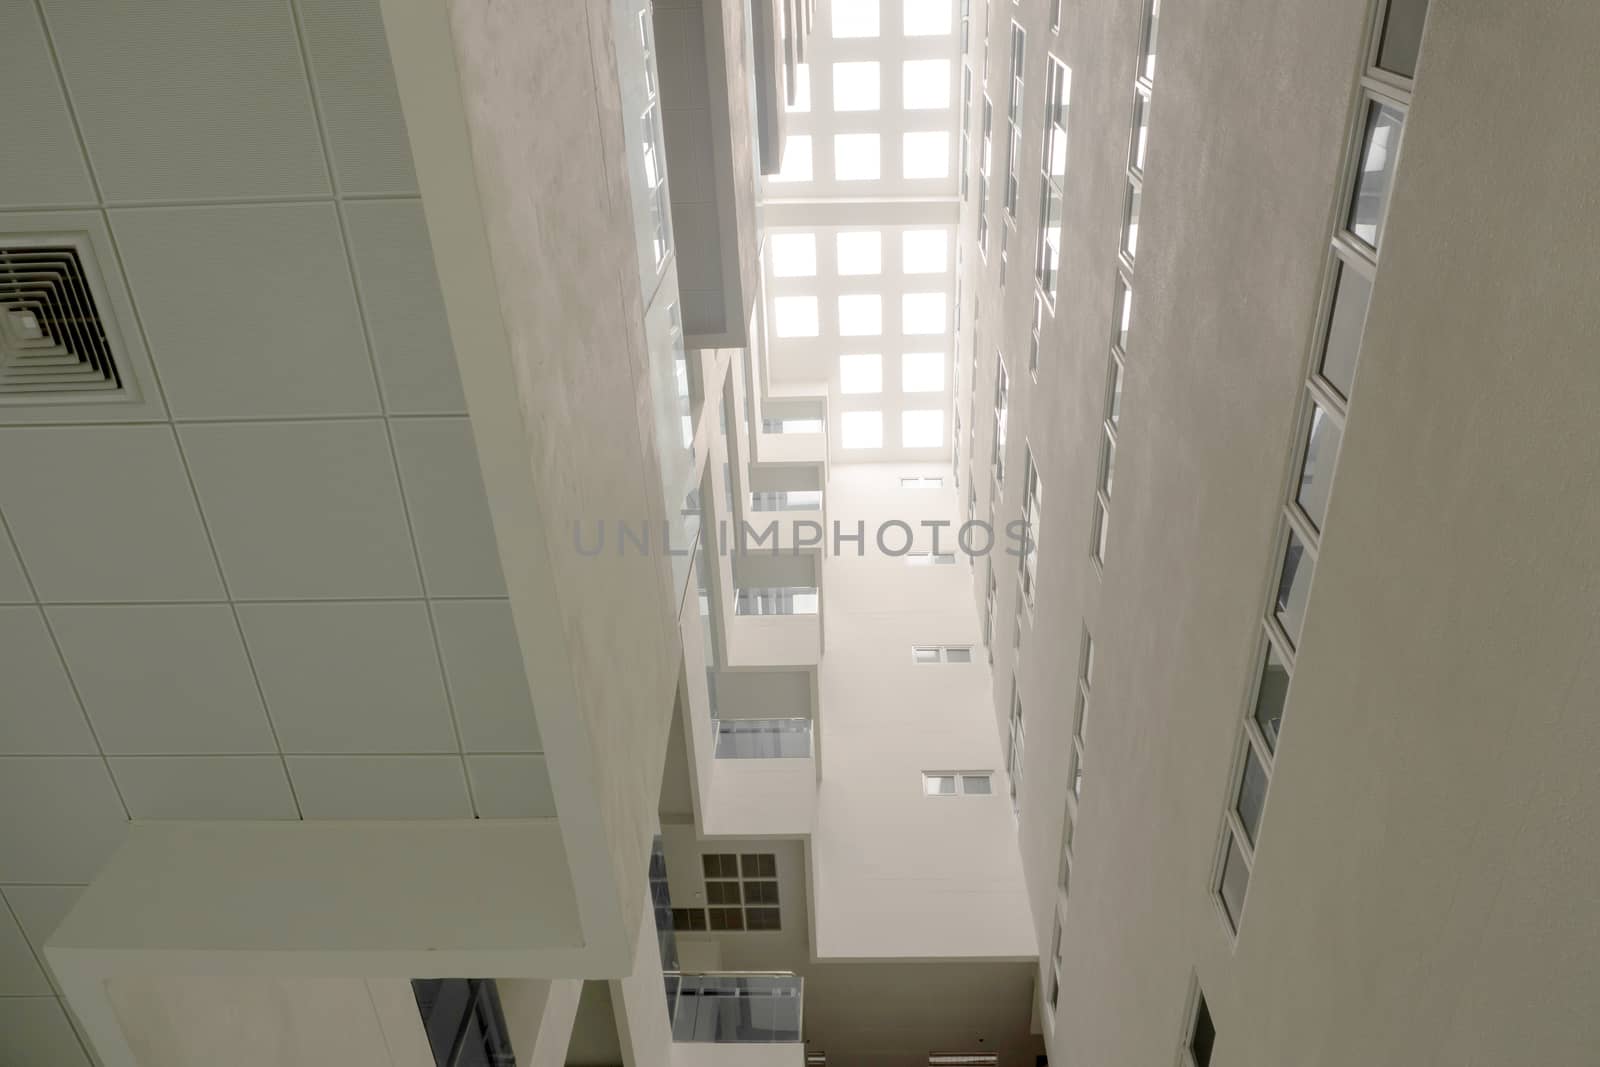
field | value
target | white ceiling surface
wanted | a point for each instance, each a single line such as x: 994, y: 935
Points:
x: 271, y: 590
x: 826, y: 208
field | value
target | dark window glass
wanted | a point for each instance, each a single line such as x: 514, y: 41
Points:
x: 1252, y: 793
x: 1343, y: 343
x: 1316, y: 472
x: 1235, y: 879
x: 1205, y: 1035
x: 1294, y: 585
x: 1270, y: 697
x: 1402, y: 36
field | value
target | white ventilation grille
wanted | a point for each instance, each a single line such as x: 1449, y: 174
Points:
x: 52, y: 340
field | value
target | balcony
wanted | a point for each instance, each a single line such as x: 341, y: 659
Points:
x: 763, y: 738
x: 735, y: 1007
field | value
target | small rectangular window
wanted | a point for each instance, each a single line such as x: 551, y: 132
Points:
x: 976, y: 785
x: 1316, y: 469
x: 1271, y: 693
x: 1102, y: 529
x: 1141, y: 132
x: 1402, y: 37
x: 1147, y: 50
x: 939, y: 785
x: 1252, y: 797
x: 1346, y: 321
x: 1122, y: 315
x: 1294, y: 585
x: 958, y: 654
x: 1114, y: 392
x: 1235, y: 880
x: 1380, y: 153
x: 1130, y: 219
x: 925, y: 654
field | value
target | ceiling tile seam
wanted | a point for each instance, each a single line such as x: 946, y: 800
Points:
x: 225, y: 420
x: 251, y: 201
x: 383, y: 402
x: 66, y: 96
x: 261, y: 600
x: 38, y: 956
x: 83, y: 708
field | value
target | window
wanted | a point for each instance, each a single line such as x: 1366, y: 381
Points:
x: 856, y: 86
x: 1014, y: 747
x: 1053, y: 170
x: 1272, y: 691
x: 957, y: 783
x: 1055, y: 967
x: 795, y: 316
x: 796, y: 165
x: 1031, y: 514
x: 1147, y: 46
x: 794, y: 255
x: 921, y: 428
x: 1014, y: 120
x: 742, y: 891
x: 802, y: 89
x: 860, y: 315
x: 1114, y: 391
x: 787, y: 500
x: 925, y: 154
x: 1130, y: 218
x: 1294, y: 585
x: 691, y: 919
x: 966, y: 19
x: 861, y: 373
x: 925, y: 84
x: 655, y: 152
x: 966, y: 119
x: 924, y: 251
x: 926, y: 18
x: 776, y: 600
x: 1122, y: 314
x: 859, y: 18
x: 923, y: 313
x: 929, y: 654
x: 763, y: 738
x: 1202, y: 1035
x: 1316, y: 468
x: 1000, y: 418
x: 859, y: 252
x: 922, y: 372
x: 862, y: 429
x: 1351, y: 291
x: 1141, y: 130
x: 1401, y: 38
x: 984, y: 154
x: 1380, y: 151
x: 929, y: 482
x: 929, y: 559
x: 988, y: 611
x: 856, y: 157
x: 1033, y: 335
x: 775, y: 424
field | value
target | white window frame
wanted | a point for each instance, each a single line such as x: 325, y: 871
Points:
x: 960, y: 783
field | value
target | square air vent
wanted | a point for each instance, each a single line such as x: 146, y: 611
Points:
x: 53, y: 341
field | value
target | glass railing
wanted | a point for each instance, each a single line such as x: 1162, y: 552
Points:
x: 763, y: 738
x: 732, y: 1007
x: 777, y: 600
x: 464, y: 1024
x: 787, y: 500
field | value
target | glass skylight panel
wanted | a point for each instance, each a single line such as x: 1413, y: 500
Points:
x: 862, y: 429
x: 794, y: 255
x: 861, y: 373
x: 856, y: 86
x: 922, y: 313
x: 925, y: 154
x: 924, y: 251
x: 857, y: 157
x: 922, y: 429
x: 796, y: 159
x: 923, y: 18
x: 795, y: 316
x: 802, y: 89
x: 860, y: 252
x: 854, y: 18
x: 860, y: 315
x: 925, y: 84
x: 922, y: 372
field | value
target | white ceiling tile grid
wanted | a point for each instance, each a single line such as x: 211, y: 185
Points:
x: 263, y: 583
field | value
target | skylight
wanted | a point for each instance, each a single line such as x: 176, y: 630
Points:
x: 925, y: 84
x: 854, y: 18
x: 922, y: 313
x: 794, y: 255
x: 922, y: 429
x: 856, y: 86
x: 860, y: 252
x: 795, y: 316
x: 802, y: 89
x: 862, y: 429
x: 922, y: 372
x: 860, y: 315
x: 925, y: 154
x: 861, y: 373
x: 924, y: 251
x: 856, y: 156
x: 796, y: 159
x: 923, y: 18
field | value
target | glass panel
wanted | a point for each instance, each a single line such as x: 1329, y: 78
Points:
x: 1316, y: 473
x: 1141, y: 131
x: 1114, y: 400
x: 1380, y: 149
x: 939, y: 785
x: 763, y: 739
x: 1271, y: 693
x: 1402, y: 36
x: 1147, y: 63
x: 1102, y: 523
x: 1130, y: 220
x: 958, y: 655
x: 1108, y: 462
x: 976, y: 784
x: 1294, y: 585
x: 1204, y: 1036
x: 1345, y: 323
x: 1235, y: 879
x: 1122, y: 314
x: 1252, y: 793
x: 1077, y: 774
